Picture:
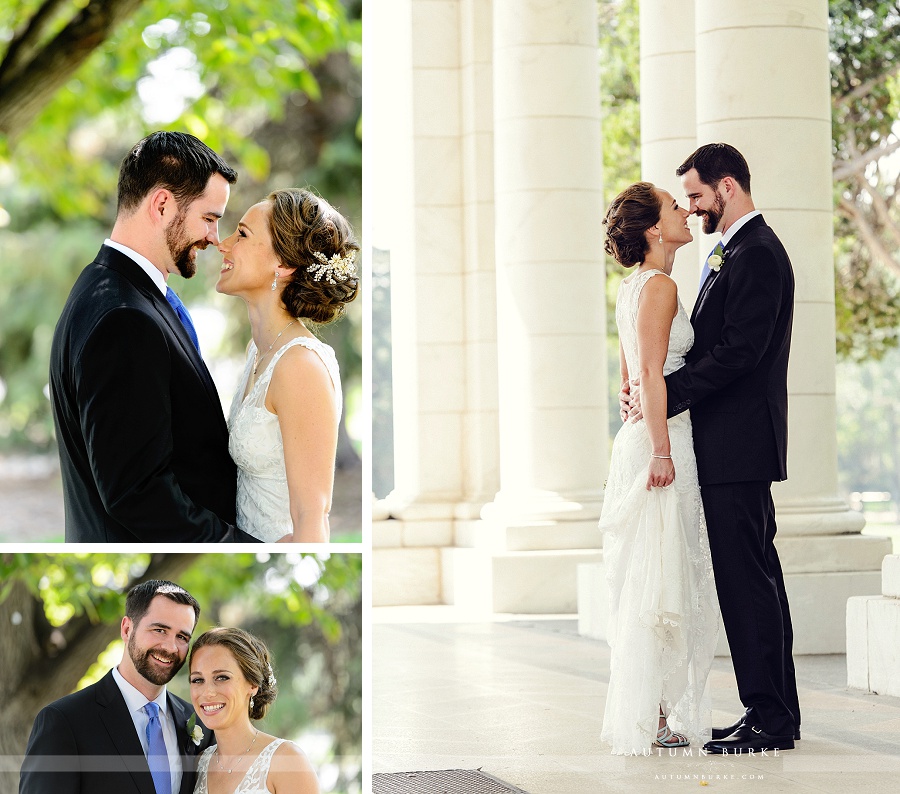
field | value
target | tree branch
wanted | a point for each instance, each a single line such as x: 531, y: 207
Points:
x: 24, y: 44
x: 865, y: 88
x: 843, y: 169
x: 869, y: 235
x: 882, y: 211
x: 28, y: 88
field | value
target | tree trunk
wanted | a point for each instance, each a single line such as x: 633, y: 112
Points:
x: 31, y: 73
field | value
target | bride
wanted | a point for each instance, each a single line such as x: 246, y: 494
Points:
x: 663, y: 607
x: 292, y: 261
x: 232, y: 683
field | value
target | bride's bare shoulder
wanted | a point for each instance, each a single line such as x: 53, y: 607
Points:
x: 291, y: 772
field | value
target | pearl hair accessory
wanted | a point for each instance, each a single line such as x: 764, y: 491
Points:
x: 337, y: 268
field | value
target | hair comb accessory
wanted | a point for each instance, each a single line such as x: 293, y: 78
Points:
x: 271, y: 680
x: 337, y: 268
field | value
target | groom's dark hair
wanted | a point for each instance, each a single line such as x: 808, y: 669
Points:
x: 714, y: 162
x: 175, y: 161
x: 137, y: 602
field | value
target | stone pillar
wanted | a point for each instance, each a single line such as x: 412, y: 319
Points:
x: 417, y: 208
x: 480, y: 452
x: 551, y: 335
x: 668, y: 118
x: 763, y: 85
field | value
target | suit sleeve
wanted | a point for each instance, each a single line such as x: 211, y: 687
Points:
x: 51, y: 758
x: 123, y: 394
x: 755, y: 294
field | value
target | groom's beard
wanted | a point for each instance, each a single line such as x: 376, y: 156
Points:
x: 144, y: 665
x: 712, y: 216
x: 183, y: 252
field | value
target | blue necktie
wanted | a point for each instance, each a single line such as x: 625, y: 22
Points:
x: 157, y: 757
x: 178, y: 306
x: 706, y: 271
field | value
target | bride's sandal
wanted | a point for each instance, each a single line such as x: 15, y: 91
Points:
x: 665, y: 737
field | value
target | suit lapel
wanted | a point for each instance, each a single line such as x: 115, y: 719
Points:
x: 120, y: 727
x: 120, y: 263
x: 185, y: 745
x: 189, y: 751
x: 734, y: 242
x: 704, y: 290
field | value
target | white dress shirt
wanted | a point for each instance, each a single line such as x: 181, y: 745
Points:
x: 135, y: 702
x: 732, y: 230
x: 146, y: 265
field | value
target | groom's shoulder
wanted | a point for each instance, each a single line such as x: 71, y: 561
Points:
x: 76, y: 701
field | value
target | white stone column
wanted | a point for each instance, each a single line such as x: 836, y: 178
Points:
x: 668, y: 117
x: 417, y: 204
x: 480, y: 452
x: 763, y: 85
x: 548, y: 250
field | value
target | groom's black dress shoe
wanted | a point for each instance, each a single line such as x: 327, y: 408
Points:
x: 724, y: 733
x: 749, y: 739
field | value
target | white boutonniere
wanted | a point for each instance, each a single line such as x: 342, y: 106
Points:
x: 195, y: 732
x: 716, y: 259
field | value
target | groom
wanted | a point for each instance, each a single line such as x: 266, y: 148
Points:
x: 125, y: 734
x: 143, y: 444
x: 735, y: 384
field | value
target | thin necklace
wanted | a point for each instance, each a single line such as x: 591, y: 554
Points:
x: 261, y: 357
x: 234, y: 765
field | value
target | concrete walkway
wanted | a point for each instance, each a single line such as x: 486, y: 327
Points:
x: 523, y: 699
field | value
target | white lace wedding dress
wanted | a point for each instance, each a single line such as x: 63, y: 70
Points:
x: 254, y: 781
x: 255, y: 444
x: 663, y: 608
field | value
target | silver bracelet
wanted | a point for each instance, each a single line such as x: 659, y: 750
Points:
x: 661, y: 457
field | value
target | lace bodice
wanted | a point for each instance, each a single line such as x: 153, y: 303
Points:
x: 254, y: 781
x: 255, y: 444
x: 681, y: 337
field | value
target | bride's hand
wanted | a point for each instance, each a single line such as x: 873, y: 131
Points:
x: 289, y: 538
x: 661, y: 474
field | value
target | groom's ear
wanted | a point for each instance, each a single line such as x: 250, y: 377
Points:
x: 125, y: 627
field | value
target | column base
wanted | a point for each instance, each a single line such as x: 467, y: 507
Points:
x: 529, y: 582
x: 873, y: 635
x: 819, y: 517
x: 815, y: 596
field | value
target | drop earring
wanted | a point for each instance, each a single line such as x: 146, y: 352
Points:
x: 275, y: 281
x: 251, y: 704
x: 660, y: 241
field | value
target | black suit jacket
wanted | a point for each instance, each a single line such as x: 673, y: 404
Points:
x: 143, y: 444
x: 735, y: 379
x: 85, y: 743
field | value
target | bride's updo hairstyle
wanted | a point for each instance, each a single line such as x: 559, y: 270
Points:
x: 631, y: 213
x: 252, y: 657
x: 317, y: 243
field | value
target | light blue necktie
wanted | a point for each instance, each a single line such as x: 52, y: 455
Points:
x: 178, y: 306
x: 720, y: 250
x: 157, y: 757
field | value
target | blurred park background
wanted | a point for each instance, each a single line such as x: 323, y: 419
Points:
x: 59, y: 632
x: 273, y: 86
x: 865, y: 81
